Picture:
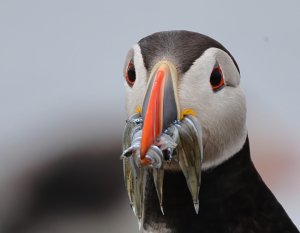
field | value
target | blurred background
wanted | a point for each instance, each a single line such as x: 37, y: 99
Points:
x: 62, y: 102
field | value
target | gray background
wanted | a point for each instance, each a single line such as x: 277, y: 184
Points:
x: 61, y: 82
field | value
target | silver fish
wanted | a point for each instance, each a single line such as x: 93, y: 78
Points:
x: 184, y: 136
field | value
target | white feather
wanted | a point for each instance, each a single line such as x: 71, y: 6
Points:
x: 135, y: 94
x: 222, y: 114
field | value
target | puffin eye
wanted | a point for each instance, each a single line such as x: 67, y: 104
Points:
x: 130, y: 74
x: 217, y: 79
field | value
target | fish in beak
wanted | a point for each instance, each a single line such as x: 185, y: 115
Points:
x: 160, y: 129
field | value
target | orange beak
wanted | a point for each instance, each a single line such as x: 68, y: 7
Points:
x: 160, y: 106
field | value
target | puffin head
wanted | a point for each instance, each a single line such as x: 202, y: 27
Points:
x: 202, y: 79
x: 189, y: 80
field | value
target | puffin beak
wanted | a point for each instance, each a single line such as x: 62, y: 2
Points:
x: 160, y: 105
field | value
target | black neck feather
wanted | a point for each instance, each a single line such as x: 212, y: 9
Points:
x: 233, y: 198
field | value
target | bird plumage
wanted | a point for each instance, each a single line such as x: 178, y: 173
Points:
x: 233, y: 198
x: 181, y: 47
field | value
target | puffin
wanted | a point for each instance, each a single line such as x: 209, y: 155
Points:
x: 186, y: 155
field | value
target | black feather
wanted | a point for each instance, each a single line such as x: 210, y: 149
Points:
x: 181, y: 47
x: 233, y: 198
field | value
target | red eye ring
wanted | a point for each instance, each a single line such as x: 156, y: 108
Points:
x: 130, y: 74
x: 217, y: 79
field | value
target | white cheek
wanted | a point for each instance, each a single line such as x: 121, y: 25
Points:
x: 194, y: 88
x: 135, y: 94
x: 222, y: 114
